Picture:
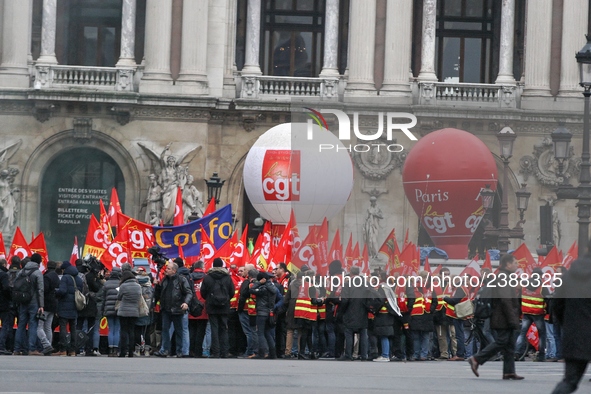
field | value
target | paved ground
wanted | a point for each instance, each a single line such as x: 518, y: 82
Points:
x: 151, y: 375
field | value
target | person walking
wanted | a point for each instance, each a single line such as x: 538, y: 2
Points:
x: 572, y: 309
x: 505, y: 320
x: 66, y: 308
x: 129, y: 296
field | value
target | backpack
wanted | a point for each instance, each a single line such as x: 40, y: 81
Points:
x: 483, y: 303
x: 79, y: 298
x: 218, y: 296
x: 22, y: 289
x: 195, y: 306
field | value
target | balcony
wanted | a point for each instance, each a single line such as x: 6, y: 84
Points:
x: 104, y: 79
x: 270, y: 87
x: 478, y: 95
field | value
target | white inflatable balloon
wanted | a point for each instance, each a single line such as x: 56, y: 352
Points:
x: 286, y: 170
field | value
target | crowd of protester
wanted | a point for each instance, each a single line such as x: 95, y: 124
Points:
x: 247, y: 313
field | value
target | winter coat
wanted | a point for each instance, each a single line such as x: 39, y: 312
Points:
x: 353, y: 306
x: 181, y: 293
x: 66, y: 307
x: 506, y: 306
x: 424, y: 322
x: 572, y: 308
x: 51, y: 282
x: 5, y: 293
x: 32, y: 271
x: 94, y: 286
x: 110, y: 294
x: 290, y: 300
x: 383, y: 323
x: 196, y: 280
x: 265, y: 297
x: 129, y: 296
x: 207, y: 286
x: 148, y: 294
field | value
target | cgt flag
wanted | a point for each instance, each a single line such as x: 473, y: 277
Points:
x: 218, y: 226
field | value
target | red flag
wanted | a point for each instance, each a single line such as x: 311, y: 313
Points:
x: 19, y: 246
x: 282, y: 253
x: 364, y: 261
x: 472, y: 269
x: 533, y: 336
x: 38, y: 245
x: 179, y: 218
x: 240, y: 254
x: 487, y: 263
x: 389, y: 250
x: 552, y: 260
x: 140, y: 235
x: 262, y: 255
x: 407, y: 261
x: 114, y: 208
x: 207, y: 250
x: 225, y: 251
x: 524, y: 259
x: 104, y: 222
x: 348, y: 254
x: 306, y: 255
x: 210, y: 207
x: 437, y: 270
x: 294, y: 236
x: 75, y: 252
x: 406, y: 241
x: 2, y: 248
x: 427, y: 266
x: 96, y: 239
x: 256, y: 251
x: 181, y: 254
x: 356, y: 256
x: 336, y: 249
x: 571, y: 255
x: 321, y: 252
x: 117, y: 253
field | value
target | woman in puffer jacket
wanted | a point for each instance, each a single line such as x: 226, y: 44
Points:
x: 143, y: 323
x: 129, y: 297
x: 110, y: 293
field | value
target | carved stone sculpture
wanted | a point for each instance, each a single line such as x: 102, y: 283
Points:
x: 371, y: 227
x: 173, y: 175
x: 8, y: 191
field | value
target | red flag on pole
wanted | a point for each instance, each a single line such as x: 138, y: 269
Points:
x: 406, y: 241
x: 389, y: 250
x: 210, y: 207
x: 348, y: 254
x: 2, y: 248
x: 571, y: 255
x: 487, y: 263
x: 96, y: 239
x: 179, y: 218
x: 364, y: 261
x: 336, y: 249
x: 105, y: 222
x: 19, y: 246
x: 322, y: 253
x: 114, y: 208
x: 38, y: 245
x: 207, y: 250
x: 118, y: 252
x: 552, y: 260
x: 524, y: 259
x: 239, y: 254
x: 427, y: 266
x: 75, y: 252
x: 437, y: 270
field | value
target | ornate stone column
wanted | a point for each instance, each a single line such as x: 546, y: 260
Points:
x: 127, y: 57
x: 48, y: 27
x: 14, y: 71
x: 331, y: 40
x: 361, y: 49
x: 538, y: 44
x: 506, y: 51
x: 193, y: 74
x: 428, y: 43
x: 253, y: 38
x: 157, y: 77
x: 398, y: 48
x: 574, y: 28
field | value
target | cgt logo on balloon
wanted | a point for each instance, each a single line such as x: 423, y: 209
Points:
x: 281, y: 175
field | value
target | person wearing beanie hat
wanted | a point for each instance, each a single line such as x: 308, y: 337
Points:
x: 29, y: 310
x: 66, y: 308
x: 217, y: 289
x: 36, y: 257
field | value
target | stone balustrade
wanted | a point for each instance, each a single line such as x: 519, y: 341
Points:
x: 49, y: 76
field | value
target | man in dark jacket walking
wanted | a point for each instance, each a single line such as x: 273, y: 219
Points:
x: 572, y: 308
x: 504, y: 320
x: 6, y: 316
x: 217, y: 289
x: 174, y: 295
x: 28, y: 312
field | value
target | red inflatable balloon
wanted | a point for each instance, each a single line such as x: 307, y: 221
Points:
x: 442, y: 176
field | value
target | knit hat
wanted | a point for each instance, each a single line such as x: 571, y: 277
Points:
x: 335, y: 267
x: 65, y: 264
x: 36, y: 258
x: 217, y: 262
x: 126, y: 267
x: 262, y: 275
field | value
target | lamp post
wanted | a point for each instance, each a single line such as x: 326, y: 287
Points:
x: 503, y: 233
x: 214, y: 187
x: 561, y: 145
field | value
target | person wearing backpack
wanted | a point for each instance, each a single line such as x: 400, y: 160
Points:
x: 44, y: 329
x: 28, y: 293
x: 217, y: 289
x: 66, y: 308
x: 6, y: 316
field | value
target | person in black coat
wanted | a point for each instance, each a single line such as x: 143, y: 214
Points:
x: 217, y: 289
x: 572, y: 309
x: 5, y: 309
x: 383, y: 324
x: 354, y: 311
x: 505, y: 320
x: 51, y: 282
x: 66, y: 308
x: 248, y: 322
x: 266, y: 294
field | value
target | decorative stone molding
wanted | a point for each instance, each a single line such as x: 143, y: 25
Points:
x: 169, y: 113
x: 249, y: 120
x: 377, y: 163
x: 544, y: 167
x: 508, y: 96
x: 122, y: 114
x: 82, y: 129
x: 43, y: 110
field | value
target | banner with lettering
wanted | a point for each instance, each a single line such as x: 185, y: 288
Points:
x: 218, y: 226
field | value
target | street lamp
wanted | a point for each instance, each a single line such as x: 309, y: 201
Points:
x: 214, y: 187
x: 583, y: 191
x: 503, y: 233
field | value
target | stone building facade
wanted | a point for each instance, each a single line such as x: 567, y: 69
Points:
x: 84, y: 83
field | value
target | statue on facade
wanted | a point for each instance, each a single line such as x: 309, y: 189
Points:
x: 372, y: 226
x: 162, y: 194
x: 192, y: 200
x: 8, y: 206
